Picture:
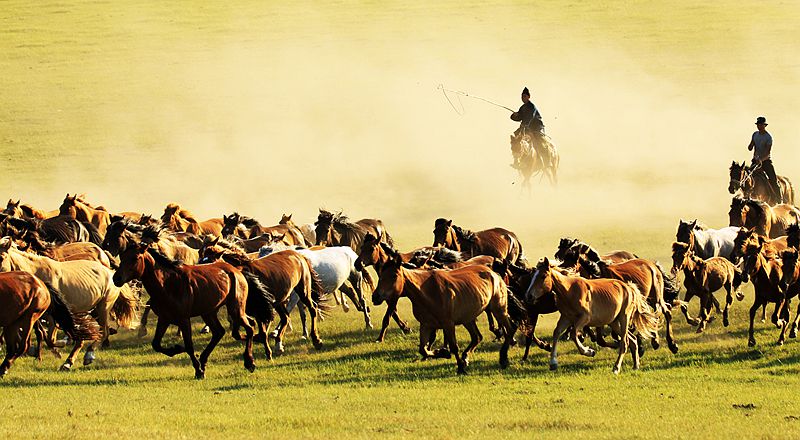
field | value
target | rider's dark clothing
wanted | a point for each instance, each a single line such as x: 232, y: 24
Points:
x: 529, y: 118
x: 766, y: 165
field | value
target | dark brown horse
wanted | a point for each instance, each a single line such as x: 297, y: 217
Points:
x: 770, y: 221
x: 570, y: 250
x: 23, y: 300
x: 337, y: 230
x: 443, y: 299
x: 754, y: 184
x: 179, y: 292
x: 773, y: 247
x: 60, y: 229
x: 496, y: 242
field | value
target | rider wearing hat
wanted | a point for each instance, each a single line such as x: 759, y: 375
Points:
x: 530, y: 121
x: 761, y: 144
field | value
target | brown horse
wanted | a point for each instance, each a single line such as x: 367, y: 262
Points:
x: 704, y: 277
x: 754, y: 184
x: 496, y: 242
x: 337, y: 230
x: 60, y: 229
x: 23, y: 300
x: 178, y: 219
x: 594, y: 303
x: 570, y: 250
x: 99, y: 218
x: 770, y: 221
x: 649, y: 277
x: 65, y: 252
x: 282, y: 272
x: 767, y: 276
x: 772, y: 247
x: 443, y: 299
x: 22, y: 210
x: 791, y: 277
x: 179, y: 292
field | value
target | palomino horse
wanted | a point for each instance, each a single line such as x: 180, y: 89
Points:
x: 86, y: 286
x: 307, y: 230
x: 179, y: 292
x: 247, y: 228
x: 443, y: 299
x: 337, y: 230
x: 496, y: 242
x: 594, y: 303
x: 703, y: 278
x: 23, y: 300
x: 770, y: 221
x: 649, y: 277
x: 335, y: 267
x: 178, y: 219
x: 65, y: 252
x: 706, y: 242
x: 752, y: 183
x: 283, y: 272
x: 532, y: 161
x: 767, y: 277
x: 99, y: 218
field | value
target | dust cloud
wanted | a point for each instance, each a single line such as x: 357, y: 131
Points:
x: 284, y: 109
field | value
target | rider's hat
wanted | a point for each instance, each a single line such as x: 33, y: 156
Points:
x: 526, y: 92
x: 761, y: 120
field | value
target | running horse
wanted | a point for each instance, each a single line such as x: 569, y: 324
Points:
x: 337, y: 230
x: 770, y: 221
x: 443, y: 299
x: 496, y: 242
x: 24, y: 298
x: 706, y: 242
x: 752, y: 183
x: 570, y: 250
x: 179, y: 292
x: 83, y: 212
x: 531, y: 162
x: 178, y: 219
x: 594, y: 303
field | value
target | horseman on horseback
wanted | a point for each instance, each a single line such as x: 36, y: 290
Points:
x: 530, y: 123
x: 761, y: 145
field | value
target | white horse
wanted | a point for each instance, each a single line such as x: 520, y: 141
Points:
x: 86, y: 286
x: 335, y: 266
x: 706, y: 242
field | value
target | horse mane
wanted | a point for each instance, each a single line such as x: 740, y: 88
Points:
x: 352, y: 233
x: 759, y: 208
x: 325, y: 216
x: 36, y: 243
x: 151, y: 233
x: 793, y: 229
x: 23, y: 223
x: 162, y: 259
x: 224, y: 243
x: 249, y: 221
x: 236, y: 258
x: 700, y: 226
x: 592, y: 267
x: 464, y: 234
x: 444, y: 255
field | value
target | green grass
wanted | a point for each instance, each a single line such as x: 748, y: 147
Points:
x: 272, y: 107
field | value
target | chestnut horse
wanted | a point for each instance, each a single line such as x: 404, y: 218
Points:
x: 247, y: 228
x: 649, y: 277
x: 23, y: 300
x: 754, y: 184
x: 704, y: 277
x: 178, y: 219
x: 283, y: 272
x: 179, y: 292
x: 770, y: 221
x: 745, y: 236
x: 496, y: 242
x: 767, y: 277
x: 594, y: 303
x: 337, y: 230
x: 99, y: 218
x: 443, y: 299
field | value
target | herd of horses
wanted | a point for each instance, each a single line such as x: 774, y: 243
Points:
x: 88, y: 272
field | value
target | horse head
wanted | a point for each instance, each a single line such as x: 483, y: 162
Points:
x: 680, y: 252
x: 68, y: 207
x: 132, y: 263
x: 563, y: 246
x: 444, y: 234
x: 736, y: 174
x: 541, y: 281
x: 789, y: 257
x: 390, y: 280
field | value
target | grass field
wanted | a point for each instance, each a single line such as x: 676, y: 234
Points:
x: 267, y: 107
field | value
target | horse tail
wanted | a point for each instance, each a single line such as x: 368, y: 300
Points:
x: 259, y: 299
x: 517, y: 311
x: 78, y: 326
x: 521, y: 259
x: 643, y: 318
x: 671, y: 288
x: 126, y: 307
x: 112, y: 260
x: 368, y: 278
x: 318, y: 295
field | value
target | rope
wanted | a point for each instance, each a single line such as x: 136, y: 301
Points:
x: 465, y: 94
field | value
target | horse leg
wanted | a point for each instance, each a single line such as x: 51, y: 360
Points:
x: 282, y: 313
x: 67, y: 365
x: 356, y: 281
x: 186, y: 330
x: 358, y: 300
x: 764, y: 313
x: 301, y: 310
x: 40, y: 336
x: 751, y: 340
x: 784, y: 323
x: 622, y: 329
x: 728, y: 301
x: 424, y: 341
x: 685, y: 309
x: 562, y: 326
x: 449, y: 331
x: 793, y: 331
x: 671, y: 344
x: 634, y: 350
x: 103, y: 311
x: 143, y: 322
x: 217, y: 332
x: 601, y: 342
x: 705, y: 311
x: 161, y: 329
x: 581, y: 321
x: 498, y: 332
x: 347, y: 292
x: 312, y: 311
x: 475, y: 338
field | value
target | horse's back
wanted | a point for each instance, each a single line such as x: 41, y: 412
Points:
x: 20, y: 292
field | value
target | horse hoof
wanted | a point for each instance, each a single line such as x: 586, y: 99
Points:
x: 462, y: 370
x: 615, y: 371
x: 65, y: 367
x: 504, y: 363
x: 407, y: 330
x: 591, y: 353
x: 205, y: 330
x: 700, y: 329
x: 739, y: 296
x: 369, y: 326
x: 751, y: 343
x: 199, y: 375
x: 725, y: 322
x: 317, y: 344
x: 250, y: 367
x: 793, y: 333
x: 88, y: 359
x: 655, y: 344
x: 346, y: 308
x: 673, y: 348
x: 553, y: 367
